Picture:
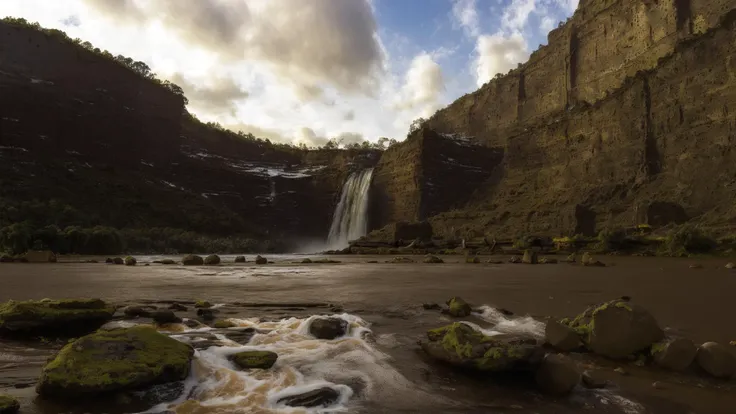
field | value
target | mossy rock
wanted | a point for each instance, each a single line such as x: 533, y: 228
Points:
x: 254, y: 359
x: 212, y: 260
x: 240, y: 259
x: 223, y: 324
x: 307, y: 261
x: 167, y: 262
x: 202, y: 304
x: 458, y: 307
x: 472, y: 260
x: 115, y: 360
x: 8, y: 405
x: 56, y: 318
x: 433, y: 259
x: 260, y: 260
x: 192, y: 260
x: 462, y: 346
x: 130, y: 261
x: 530, y: 257
x: 118, y: 261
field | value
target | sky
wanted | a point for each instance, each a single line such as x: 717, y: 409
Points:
x: 311, y: 70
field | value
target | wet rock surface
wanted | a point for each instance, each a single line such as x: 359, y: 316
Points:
x: 53, y: 317
x: 320, y: 397
x: 254, y: 359
x: 8, y: 405
x: 716, y: 359
x: 674, y: 353
x: 328, y: 328
x: 557, y: 375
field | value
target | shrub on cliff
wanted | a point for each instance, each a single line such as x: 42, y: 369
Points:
x: 688, y: 239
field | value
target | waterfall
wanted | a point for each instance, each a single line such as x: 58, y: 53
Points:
x: 349, y: 220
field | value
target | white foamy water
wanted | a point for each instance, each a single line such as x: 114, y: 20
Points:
x: 349, y: 221
x: 510, y: 325
x: 349, y: 365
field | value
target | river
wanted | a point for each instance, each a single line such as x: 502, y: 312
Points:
x: 380, y: 368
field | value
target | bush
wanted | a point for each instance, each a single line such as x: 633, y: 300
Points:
x: 611, y: 240
x: 688, y: 239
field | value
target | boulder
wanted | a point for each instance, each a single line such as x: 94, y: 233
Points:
x: 130, y: 261
x: 730, y: 266
x: 163, y: 317
x: 202, y: 304
x: 254, y: 359
x: 463, y: 347
x: 591, y: 382
x: 432, y: 259
x: 473, y: 260
x: 716, y: 359
x: 167, y: 262
x: 41, y: 256
x: 192, y: 260
x: 178, y: 307
x: 115, y: 360
x: 136, y: 312
x: 206, y: 314
x: 118, y: 261
x: 53, y: 318
x: 458, y: 307
x: 239, y: 259
x: 402, y: 259
x: 561, y: 337
x: 570, y: 258
x: 588, y: 260
x: 617, y: 329
x: 223, y: 324
x: 328, y: 328
x: 320, y: 397
x: 6, y: 259
x: 530, y: 257
x: 515, y: 259
x: 260, y: 260
x: 676, y: 354
x: 557, y: 374
x: 212, y: 260
x: 8, y: 405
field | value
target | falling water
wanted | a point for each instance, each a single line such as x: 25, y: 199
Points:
x: 349, y: 221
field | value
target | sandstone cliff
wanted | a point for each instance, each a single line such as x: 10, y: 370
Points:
x: 625, y: 117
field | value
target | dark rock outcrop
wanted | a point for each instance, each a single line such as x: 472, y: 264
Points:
x: 50, y: 318
x: 557, y: 374
x: 261, y: 260
x: 164, y: 317
x: 8, y: 405
x: 716, y: 359
x: 254, y: 359
x: 192, y: 260
x: 239, y: 259
x: 561, y: 337
x: 458, y: 307
x: 130, y: 261
x: 674, y: 353
x: 212, y: 259
x: 328, y: 328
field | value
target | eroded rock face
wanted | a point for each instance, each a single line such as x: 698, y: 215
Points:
x: 254, y: 359
x: 53, y: 317
x: 674, y: 353
x: 462, y: 346
x: 716, y: 359
x: 328, y: 328
x: 557, y: 374
x: 115, y: 360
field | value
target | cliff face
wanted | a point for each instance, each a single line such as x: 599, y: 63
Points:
x: 113, y: 148
x: 624, y: 118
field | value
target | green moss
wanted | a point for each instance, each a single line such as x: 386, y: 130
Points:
x: 58, y: 315
x: 202, y: 304
x: 130, y: 261
x: 115, y: 360
x: 658, y: 347
x: 565, y: 321
x: 623, y: 305
x: 223, y: 324
x: 254, y: 359
x: 8, y: 404
x: 457, y: 338
x: 458, y: 307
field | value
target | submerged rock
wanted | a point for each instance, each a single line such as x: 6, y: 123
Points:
x: 674, y: 353
x: 163, y: 317
x: 130, y: 261
x: 431, y: 306
x: 547, y: 260
x: 716, y: 359
x: 109, y: 260
x: 223, y: 324
x: 321, y: 397
x: 212, y: 260
x: 473, y: 260
x: 137, y: 312
x: 118, y: 261
x: 178, y: 307
x: 328, y: 328
x: 515, y: 259
x: 68, y: 317
x: 239, y: 259
x: 557, y: 374
x: 588, y: 260
x: 254, y: 359
x: 401, y: 259
x: 591, y: 382
x: 202, y: 304
x: 530, y: 257
x: 561, y: 337
x: 433, y: 259
x: 260, y: 260
x: 206, y: 314
x: 458, y: 307
x: 116, y: 360
x: 307, y: 261
x: 8, y: 405
x: 167, y: 262
x: 192, y: 260
x: 617, y: 329
x: 241, y: 336
x: 462, y: 346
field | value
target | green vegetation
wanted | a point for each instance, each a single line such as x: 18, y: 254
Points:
x: 223, y: 324
x: 54, y: 316
x: 688, y: 239
x: 8, y: 404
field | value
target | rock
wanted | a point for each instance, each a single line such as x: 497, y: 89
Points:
x: 658, y: 385
x: 178, y: 307
x: 163, y: 317
x: 496, y: 262
x: 458, y: 307
x: 193, y: 324
x: 136, y: 312
x: 473, y: 260
x: 530, y: 257
x: 147, y: 264
x: 716, y: 359
x: 401, y: 259
x: 433, y: 259
x: 730, y: 266
x: 261, y: 260
x: 118, y: 261
x: 431, y: 306
x: 307, y: 261
x: 167, y: 262
x: 557, y: 374
x: 202, y: 304
x: 696, y: 266
x: 42, y: 256
x: 320, y: 397
x: 160, y: 394
x: 206, y: 314
x: 328, y: 328
x: 241, y: 335
x: 53, y: 318
x: 463, y: 347
x: 212, y: 260
x: 570, y: 258
x: 130, y: 261
x: 223, y: 324
x: 676, y: 354
x: 732, y: 343
x: 621, y: 371
x: 239, y: 259
x: 588, y: 260
x: 8, y: 405
x: 561, y: 337
x: 590, y: 382
x: 192, y: 260
x: 116, y: 360
x: 109, y: 260
x: 617, y: 329
x: 547, y: 260
x: 254, y: 359
x: 515, y: 259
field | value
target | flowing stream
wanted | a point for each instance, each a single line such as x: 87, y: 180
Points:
x: 349, y: 221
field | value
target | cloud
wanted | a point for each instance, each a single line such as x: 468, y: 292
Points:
x: 71, y: 21
x: 349, y: 115
x: 214, y: 95
x: 516, y: 14
x: 498, y: 54
x: 259, y: 132
x: 465, y: 15
x: 423, y: 87
x: 305, y: 44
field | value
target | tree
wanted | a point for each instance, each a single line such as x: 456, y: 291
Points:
x: 416, y: 125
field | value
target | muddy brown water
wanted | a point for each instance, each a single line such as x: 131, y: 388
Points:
x: 697, y: 303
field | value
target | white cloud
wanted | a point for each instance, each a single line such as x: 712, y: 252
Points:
x: 516, y: 14
x: 498, y: 54
x: 465, y: 15
x: 423, y: 87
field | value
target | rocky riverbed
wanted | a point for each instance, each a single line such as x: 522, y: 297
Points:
x: 369, y: 337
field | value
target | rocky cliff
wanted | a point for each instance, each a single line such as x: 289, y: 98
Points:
x: 86, y: 141
x: 625, y: 117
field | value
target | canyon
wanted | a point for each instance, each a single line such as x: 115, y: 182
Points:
x: 626, y: 117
